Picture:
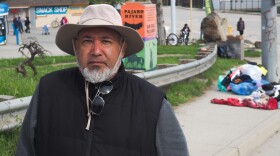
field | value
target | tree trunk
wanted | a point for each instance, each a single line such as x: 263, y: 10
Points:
x: 160, y: 23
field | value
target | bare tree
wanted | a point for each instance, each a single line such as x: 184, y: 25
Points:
x: 34, y: 48
x: 160, y: 23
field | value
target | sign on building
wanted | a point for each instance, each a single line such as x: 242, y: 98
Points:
x: 51, y: 10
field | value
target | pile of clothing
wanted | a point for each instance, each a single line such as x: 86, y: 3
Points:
x: 243, y: 80
x: 249, y: 80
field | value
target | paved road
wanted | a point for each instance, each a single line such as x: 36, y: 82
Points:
x: 252, y: 31
x: 47, y: 41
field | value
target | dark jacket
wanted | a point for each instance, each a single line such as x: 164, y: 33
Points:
x: 16, y: 23
x: 127, y: 125
x: 27, y: 22
x: 169, y: 138
x: 240, y: 25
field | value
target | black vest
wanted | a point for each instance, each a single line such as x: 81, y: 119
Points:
x: 126, y: 127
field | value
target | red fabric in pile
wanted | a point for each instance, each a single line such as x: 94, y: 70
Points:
x: 270, y: 105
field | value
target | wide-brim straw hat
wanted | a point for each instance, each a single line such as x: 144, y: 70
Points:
x: 99, y: 15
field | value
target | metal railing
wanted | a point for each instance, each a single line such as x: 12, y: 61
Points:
x: 178, y: 73
x: 13, y: 111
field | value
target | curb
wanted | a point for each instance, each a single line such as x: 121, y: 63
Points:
x: 253, y: 138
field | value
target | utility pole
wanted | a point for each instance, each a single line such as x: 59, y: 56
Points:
x: 173, y: 16
x: 160, y: 23
x: 270, y: 57
x: 191, y: 18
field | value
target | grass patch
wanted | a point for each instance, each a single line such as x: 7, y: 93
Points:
x: 172, y: 59
x: 8, y: 142
x: 184, y: 91
x: 15, y: 84
x: 252, y: 53
x: 189, y: 50
x: 47, y: 60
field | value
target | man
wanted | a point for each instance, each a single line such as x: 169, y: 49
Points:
x: 185, y: 31
x: 240, y: 26
x: 27, y: 25
x: 98, y: 108
x: 63, y: 21
x: 16, y: 25
x: 20, y: 26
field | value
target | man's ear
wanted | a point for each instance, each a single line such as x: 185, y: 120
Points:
x: 124, y: 49
x: 74, y: 44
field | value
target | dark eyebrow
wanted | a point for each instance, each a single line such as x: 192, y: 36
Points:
x: 86, y: 36
x: 102, y: 37
x: 107, y: 37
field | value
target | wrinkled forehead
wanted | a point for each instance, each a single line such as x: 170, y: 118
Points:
x: 99, y: 31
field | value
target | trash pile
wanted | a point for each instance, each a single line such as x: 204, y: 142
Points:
x: 248, y: 79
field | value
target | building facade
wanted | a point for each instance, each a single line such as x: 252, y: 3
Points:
x: 45, y: 12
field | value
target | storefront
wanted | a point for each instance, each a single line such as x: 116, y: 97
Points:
x: 41, y: 12
x: 15, y: 12
x: 48, y: 15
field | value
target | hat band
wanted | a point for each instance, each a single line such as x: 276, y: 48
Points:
x: 98, y: 21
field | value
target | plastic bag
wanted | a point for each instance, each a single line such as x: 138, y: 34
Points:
x: 219, y: 84
x: 253, y: 71
x: 243, y: 88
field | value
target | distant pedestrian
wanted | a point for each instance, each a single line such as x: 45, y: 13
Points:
x: 15, y: 25
x: 45, y: 30
x: 185, y: 32
x: 240, y: 26
x: 63, y: 21
x: 20, y: 26
x: 27, y: 25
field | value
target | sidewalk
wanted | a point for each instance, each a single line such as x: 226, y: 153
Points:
x: 210, y: 129
x: 47, y: 41
x: 223, y: 130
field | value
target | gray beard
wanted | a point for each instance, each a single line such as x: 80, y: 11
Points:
x: 96, y: 76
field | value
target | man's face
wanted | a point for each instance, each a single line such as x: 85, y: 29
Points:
x: 98, y: 48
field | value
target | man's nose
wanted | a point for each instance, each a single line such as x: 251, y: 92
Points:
x: 96, y: 47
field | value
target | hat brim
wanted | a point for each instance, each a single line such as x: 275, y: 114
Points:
x: 67, y: 32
